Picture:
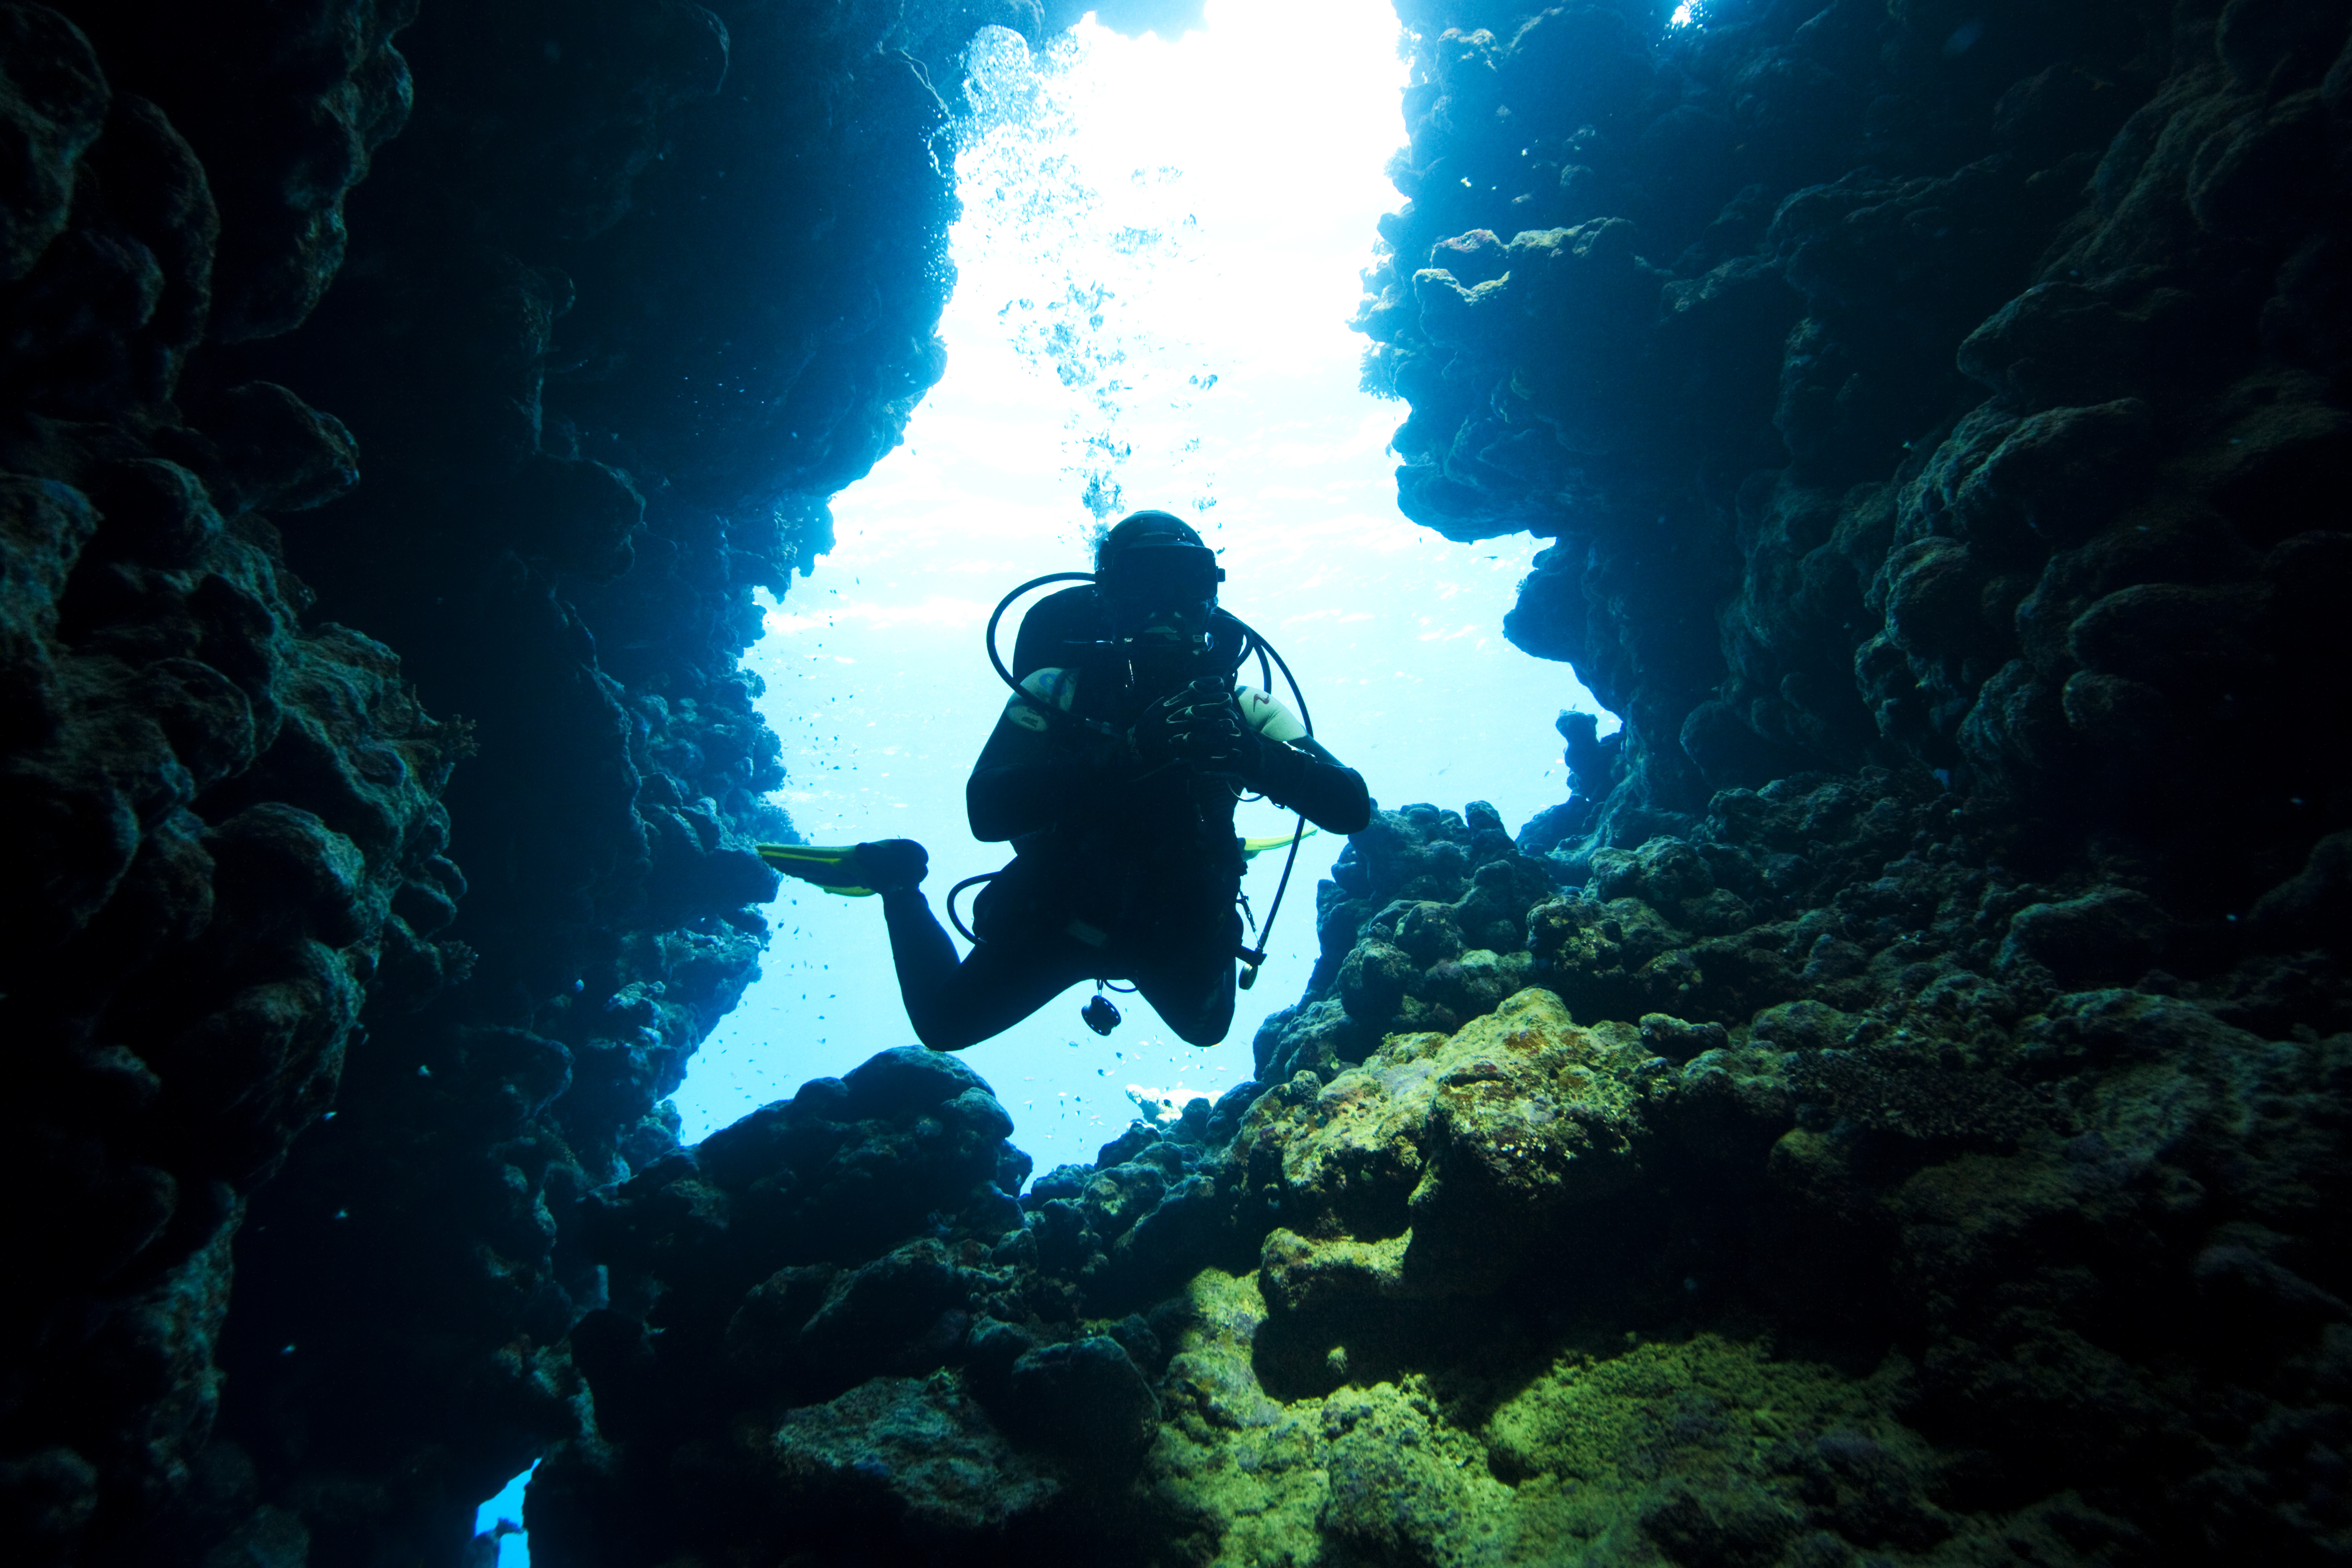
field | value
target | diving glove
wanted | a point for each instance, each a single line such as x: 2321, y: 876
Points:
x: 1198, y: 725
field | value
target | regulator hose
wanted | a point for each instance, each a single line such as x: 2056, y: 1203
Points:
x: 956, y: 920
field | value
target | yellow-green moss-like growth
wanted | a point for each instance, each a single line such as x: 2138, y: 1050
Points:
x: 1712, y: 1451
x: 1413, y: 1174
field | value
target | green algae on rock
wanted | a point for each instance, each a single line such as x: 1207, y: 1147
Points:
x: 914, y: 1453
x: 1711, y: 1449
x: 1443, y: 1147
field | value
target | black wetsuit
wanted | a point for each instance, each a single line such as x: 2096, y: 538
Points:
x: 1123, y: 871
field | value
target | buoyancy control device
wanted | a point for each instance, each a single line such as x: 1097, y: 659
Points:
x: 1076, y: 629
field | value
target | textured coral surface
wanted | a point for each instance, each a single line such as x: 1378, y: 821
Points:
x: 385, y: 390
x: 1890, y: 1241
x: 1954, y: 384
x: 1893, y: 1112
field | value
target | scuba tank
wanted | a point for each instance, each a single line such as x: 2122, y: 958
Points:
x: 1070, y: 628
x: 1074, y: 628
x: 1064, y: 627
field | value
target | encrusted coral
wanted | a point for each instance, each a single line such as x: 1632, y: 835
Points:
x: 344, y: 439
x: 1892, y: 1111
x: 1807, y: 1281
x: 1900, y: 384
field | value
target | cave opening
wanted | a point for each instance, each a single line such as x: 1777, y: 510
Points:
x: 1156, y: 265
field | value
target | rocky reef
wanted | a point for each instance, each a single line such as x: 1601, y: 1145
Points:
x: 1940, y: 415
x: 1946, y: 384
x: 401, y: 407
x: 1928, y: 1225
x: 1893, y: 1112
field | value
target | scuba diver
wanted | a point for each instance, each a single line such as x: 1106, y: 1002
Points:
x: 1114, y: 770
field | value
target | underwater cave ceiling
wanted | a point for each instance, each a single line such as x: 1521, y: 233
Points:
x: 1894, y: 1110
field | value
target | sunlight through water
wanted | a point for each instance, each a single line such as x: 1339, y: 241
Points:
x: 1158, y: 253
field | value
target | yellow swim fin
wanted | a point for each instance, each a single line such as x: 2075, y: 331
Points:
x: 832, y: 866
x: 1251, y: 847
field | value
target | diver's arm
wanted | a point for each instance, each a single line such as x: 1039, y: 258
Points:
x: 1294, y: 771
x: 1023, y: 782
x: 1301, y: 775
x: 1039, y: 762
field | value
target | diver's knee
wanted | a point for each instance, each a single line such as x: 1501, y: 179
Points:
x: 943, y: 1033
x: 1208, y: 1031
x: 940, y: 1038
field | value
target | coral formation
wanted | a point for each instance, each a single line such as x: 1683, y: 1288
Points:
x: 225, y: 840
x: 569, y: 543
x: 1937, y: 428
x: 384, y: 389
x: 1930, y: 384
x: 1892, y: 1110
x: 1869, y: 1201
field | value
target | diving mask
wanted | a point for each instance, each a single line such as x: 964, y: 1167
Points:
x: 1175, y: 580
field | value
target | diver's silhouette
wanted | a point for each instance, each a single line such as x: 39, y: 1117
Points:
x: 1114, y: 770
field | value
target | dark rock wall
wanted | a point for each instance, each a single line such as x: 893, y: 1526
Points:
x: 1894, y: 1110
x: 1944, y: 385
x: 224, y: 839
x: 676, y: 271
x: 638, y: 285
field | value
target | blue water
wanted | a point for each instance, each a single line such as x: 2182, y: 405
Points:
x: 504, y: 1513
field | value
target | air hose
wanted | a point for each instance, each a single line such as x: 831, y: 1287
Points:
x: 956, y: 920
